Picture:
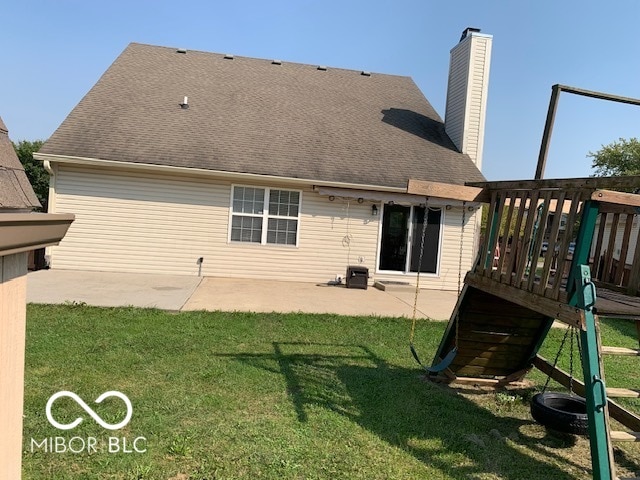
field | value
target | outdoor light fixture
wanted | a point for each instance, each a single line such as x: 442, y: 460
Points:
x: 360, y: 200
x: 331, y: 198
x: 448, y: 207
x: 374, y: 210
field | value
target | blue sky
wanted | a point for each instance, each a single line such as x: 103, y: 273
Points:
x: 54, y: 51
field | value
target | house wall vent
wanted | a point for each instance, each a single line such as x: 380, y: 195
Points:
x: 181, y: 50
x: 228, y: 56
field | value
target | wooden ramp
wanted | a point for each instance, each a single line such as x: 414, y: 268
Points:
x: 496, y: 339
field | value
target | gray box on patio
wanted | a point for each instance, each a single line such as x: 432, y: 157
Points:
x: 357, y: 277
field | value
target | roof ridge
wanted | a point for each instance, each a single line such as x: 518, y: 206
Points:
x: 281, y: 60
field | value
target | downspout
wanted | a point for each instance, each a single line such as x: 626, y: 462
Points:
x: 52, y: 170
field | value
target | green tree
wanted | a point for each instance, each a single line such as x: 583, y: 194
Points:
x: 617, y: 158
x: 36, y: 173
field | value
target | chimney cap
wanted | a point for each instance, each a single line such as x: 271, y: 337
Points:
x: 467, y: 31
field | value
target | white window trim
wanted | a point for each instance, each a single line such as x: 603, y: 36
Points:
x: 265, y: 216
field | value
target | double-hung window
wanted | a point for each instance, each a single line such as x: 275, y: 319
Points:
x: 264, y: 215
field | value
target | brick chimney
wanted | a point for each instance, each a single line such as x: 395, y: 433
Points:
x: 467, y: 92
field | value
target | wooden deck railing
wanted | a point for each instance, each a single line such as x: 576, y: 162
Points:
x: 615, y: 256
x: 533, y: 231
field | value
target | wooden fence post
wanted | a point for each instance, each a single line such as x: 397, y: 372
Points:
x: 13, y: 311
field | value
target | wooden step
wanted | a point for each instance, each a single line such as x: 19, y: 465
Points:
x: 619, y: 436
x: 621, y: 351
x: 622, y: 392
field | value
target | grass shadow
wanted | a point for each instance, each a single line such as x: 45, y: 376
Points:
x: 430, y: 422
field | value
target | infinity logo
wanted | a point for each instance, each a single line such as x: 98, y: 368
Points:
x: 87, y: 408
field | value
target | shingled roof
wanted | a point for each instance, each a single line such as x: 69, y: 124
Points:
x: 16, y: 192
x: 261, y: 117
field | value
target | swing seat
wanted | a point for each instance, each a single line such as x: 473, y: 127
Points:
x: 561, y: 412
x: 440, y: 366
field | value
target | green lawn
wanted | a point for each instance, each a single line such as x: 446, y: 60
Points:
x: 270, y: 396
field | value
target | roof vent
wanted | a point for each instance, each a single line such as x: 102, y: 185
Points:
x: 185, y: 103
x: 322, y: 67
x: 364, y: 73
x: 181, y: 50
x: 228, y: 56
x: 276, y: 62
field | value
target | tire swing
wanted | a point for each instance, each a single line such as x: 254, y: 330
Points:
x: 562, y: 412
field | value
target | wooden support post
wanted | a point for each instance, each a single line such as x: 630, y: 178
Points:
x: 13, y: 295
x: 548, y: 129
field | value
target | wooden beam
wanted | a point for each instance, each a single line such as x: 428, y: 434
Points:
x: 587, y: 183
x: 447, y: 190
x: 623, y: 392
x: 618, y: 198
x: 630, y: 352
x: 481, y: 382
x: 619, y: 436
x: 546, y: 306
x: 621, y: 414
x: 615, y: 208
x: 599, y: 95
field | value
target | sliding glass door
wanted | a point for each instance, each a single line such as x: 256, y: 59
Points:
x: 401, y: 239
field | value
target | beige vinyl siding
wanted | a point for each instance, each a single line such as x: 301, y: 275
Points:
x: 455, y: 112
x: 477, y: 100
x: 323, y: 250
x: 135, y: 222
x: 467, y: 95
x: 129, y: 221
x: 132, y: 221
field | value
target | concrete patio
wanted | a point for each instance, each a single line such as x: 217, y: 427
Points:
x: 182, y: 293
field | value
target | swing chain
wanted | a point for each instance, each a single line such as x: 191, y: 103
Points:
x: 415, y: 300
x: 571, y: 363
x: 464, y: 219
x: 555, y: 362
